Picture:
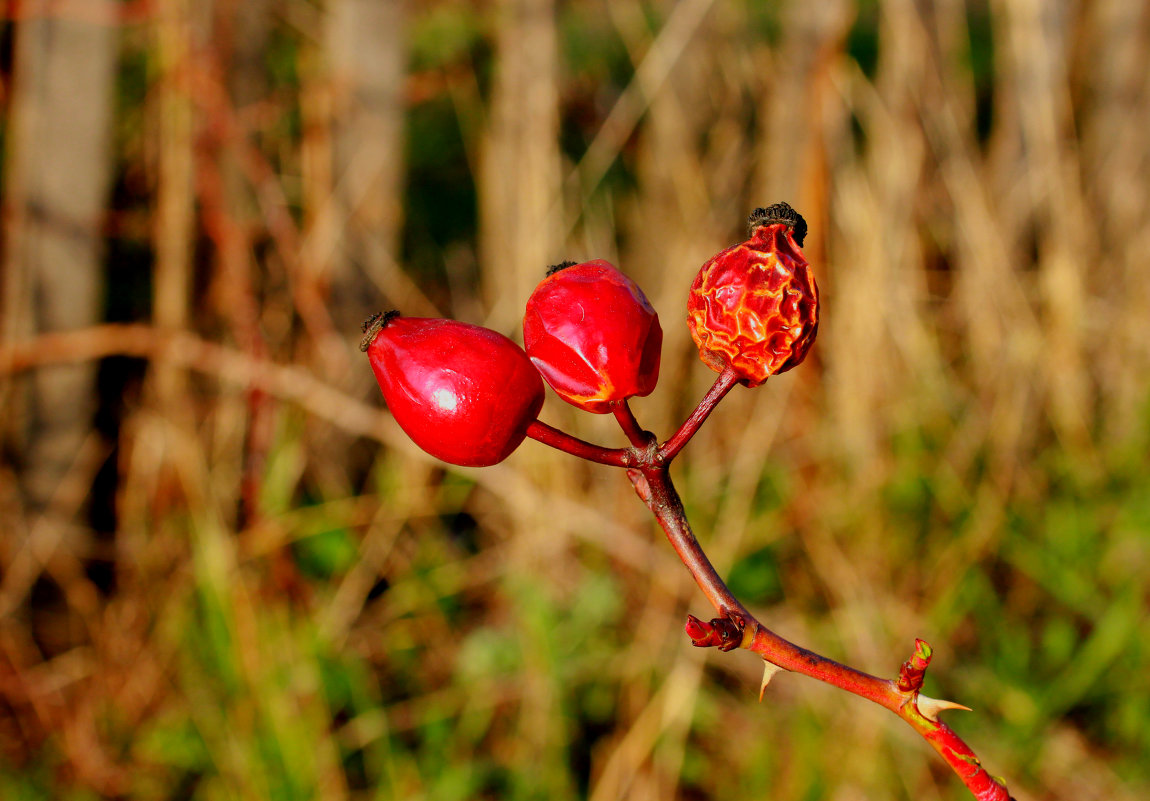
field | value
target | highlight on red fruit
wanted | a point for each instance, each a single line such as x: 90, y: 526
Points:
x: 593, y: 335
x: 463, y: 393
x: 754, y: 307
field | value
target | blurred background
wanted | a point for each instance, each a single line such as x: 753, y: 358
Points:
x: 226, y: 574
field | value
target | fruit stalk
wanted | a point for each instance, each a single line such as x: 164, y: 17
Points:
x: 561, y: 440
x: 636, y: 434
x: 723, y: 384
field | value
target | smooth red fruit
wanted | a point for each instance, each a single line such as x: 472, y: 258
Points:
x: 463, y: 393
x: 593, y: 335
x: 755, y: 306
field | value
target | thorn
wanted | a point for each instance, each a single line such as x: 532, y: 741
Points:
x: 769, y: 671
x: 930, y: 707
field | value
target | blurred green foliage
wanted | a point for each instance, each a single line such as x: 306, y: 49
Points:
x: 469, y: 679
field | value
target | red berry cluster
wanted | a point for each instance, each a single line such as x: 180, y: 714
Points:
x: 469, y: 395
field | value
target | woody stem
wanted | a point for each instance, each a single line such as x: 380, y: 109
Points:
x: 653, y: 484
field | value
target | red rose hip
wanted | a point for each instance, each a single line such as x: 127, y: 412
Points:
x: 593, y: 335
x: 463, y: 393
x: 755, y: 307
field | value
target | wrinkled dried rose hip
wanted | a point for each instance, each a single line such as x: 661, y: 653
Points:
x: 755, y: 307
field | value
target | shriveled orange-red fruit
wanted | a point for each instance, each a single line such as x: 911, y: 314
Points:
x: 755, y: 307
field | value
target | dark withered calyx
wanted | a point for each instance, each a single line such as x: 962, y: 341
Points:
x: 779, y: 213
x: 563, y: 265
x: 373, y: 325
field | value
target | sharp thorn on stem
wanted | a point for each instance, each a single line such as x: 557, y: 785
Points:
x: 930, y: 707
x: 769, y: 671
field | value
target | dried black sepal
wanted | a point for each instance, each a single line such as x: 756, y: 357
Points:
x: 563, y: 265
x: 779, y: 213
x: 373, y: 325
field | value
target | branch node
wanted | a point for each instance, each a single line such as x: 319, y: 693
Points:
x: 724, y: 633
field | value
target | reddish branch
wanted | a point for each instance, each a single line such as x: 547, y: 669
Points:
x: 561, y: 440
x: 736, y: 627
x: 186, y: 350
x: 723, y: 384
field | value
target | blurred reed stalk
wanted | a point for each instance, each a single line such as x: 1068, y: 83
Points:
x: 57, y: 173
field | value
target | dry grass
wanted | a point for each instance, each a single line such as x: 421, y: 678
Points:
x: 247, y: 583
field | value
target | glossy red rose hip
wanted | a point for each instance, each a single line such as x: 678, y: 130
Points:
x: 463, y: 393
x: 755, y: 307
x: 593, y: 335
